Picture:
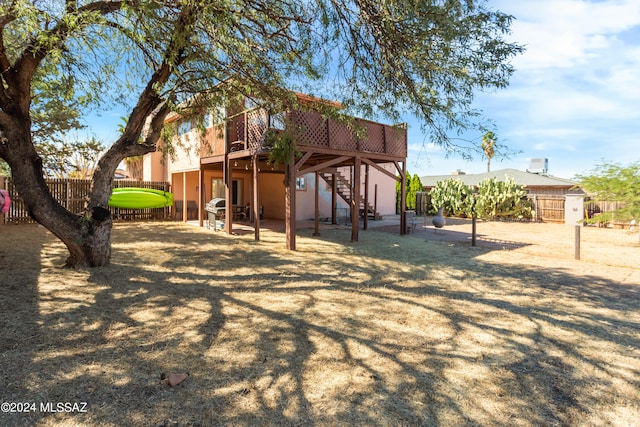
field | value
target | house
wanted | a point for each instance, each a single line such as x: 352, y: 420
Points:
x: 230, y: 160
x: 554, y: 199
x: 536, y: 184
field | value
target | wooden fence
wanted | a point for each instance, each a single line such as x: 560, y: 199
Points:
x: 549, y: 208
x: 593, y: 209
x: 72, y: 194
x: 423, y: 203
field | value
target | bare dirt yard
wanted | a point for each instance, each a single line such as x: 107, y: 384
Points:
x: 392, y: 331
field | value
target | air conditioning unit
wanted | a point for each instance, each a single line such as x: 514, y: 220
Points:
x: 539, y: 166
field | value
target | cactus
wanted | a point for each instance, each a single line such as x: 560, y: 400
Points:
x: 453, y: 196
x: 493, y: 199
x: 502, y: 199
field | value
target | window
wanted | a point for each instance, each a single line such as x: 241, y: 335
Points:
x: 214, y: 116
x: 252, y: 103
x: 217, y: 190
x: 277, y: 120
x: 184, y: 127
x: 208, y: 120
x: 301, y: 184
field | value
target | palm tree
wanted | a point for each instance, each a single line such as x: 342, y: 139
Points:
x: 488, y: 145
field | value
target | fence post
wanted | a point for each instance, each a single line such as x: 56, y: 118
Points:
x: 577, y: 242
x: 473, y: 230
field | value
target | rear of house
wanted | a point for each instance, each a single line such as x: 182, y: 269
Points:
x: 230, y: 159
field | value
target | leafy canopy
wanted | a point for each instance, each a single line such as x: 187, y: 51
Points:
x: 613, y: 182
x: 377, y: 57
x: 72, y: 159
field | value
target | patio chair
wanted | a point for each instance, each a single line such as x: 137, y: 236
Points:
x: 177, y: 209
x: 192, y: 209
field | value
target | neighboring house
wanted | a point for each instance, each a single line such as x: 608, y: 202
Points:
x: 536, y: 184
x: 555, y: 199
x: 230, y: 160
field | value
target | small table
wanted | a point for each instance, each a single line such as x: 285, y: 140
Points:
x: 239, y: 212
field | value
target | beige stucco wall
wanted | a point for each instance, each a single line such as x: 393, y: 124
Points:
x: 154, y: 168
x: 187, y: 156
x: 379, y: 183
x: 386, y: 189
x: 271, y: 187
x: 305, y: 200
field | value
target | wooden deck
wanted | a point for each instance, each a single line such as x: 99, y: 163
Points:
x: 324, y: 144
x: 245, y: 134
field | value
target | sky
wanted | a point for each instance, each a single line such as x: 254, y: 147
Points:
x: 574, y: 98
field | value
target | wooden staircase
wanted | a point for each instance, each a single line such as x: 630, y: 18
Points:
x: 343, y: 188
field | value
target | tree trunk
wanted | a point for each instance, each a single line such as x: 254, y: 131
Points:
x: 94, y: 249
x: 86, y: 236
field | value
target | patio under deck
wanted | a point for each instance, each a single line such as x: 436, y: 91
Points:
x: 324, y: 144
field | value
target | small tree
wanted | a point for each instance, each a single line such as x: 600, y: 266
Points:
x: 414, y: 185
x: 613, y: 182
x: 70, y: 159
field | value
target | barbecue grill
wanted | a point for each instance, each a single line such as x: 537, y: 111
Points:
x: 215, y: 209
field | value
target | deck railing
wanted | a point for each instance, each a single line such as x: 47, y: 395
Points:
x: 248, y: 130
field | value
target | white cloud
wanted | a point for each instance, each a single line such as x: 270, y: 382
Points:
x: 566, y: 33
x: 574, y: 97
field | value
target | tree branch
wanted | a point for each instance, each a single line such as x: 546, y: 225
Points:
x: 31, y: 57
x: 150, y: 104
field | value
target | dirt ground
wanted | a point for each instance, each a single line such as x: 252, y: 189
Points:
x: 391, y: 330
x: 601, y: 246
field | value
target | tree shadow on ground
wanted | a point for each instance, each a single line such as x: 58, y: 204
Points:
x: 334, y: 333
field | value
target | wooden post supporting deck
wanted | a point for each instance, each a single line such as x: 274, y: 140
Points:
x: 316, y: 210
x: 184, y: 197
x: 334, y: 191
x: 201, y: 195
x: 365, y: 222
x: 403, y: 199
x: 290, y: 203
x: 228, y: 196
x: 355, y: 202
x: 255, y: 209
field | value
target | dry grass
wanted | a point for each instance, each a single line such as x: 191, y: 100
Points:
x: 388, y: 331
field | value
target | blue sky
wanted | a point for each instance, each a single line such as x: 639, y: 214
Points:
x: 574, y: 98
x: 575, y: 95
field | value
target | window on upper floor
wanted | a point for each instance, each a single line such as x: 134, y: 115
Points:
x: 214, y: 116
x: 277, y: 120
x: 184, y: 127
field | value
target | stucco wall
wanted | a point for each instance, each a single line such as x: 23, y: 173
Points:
x: 153, y: 168
x: 186, y: 156
x: 379, y: 183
